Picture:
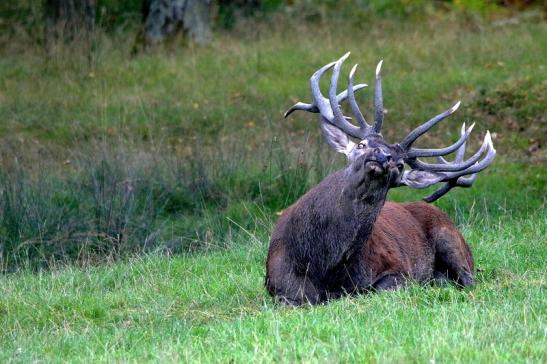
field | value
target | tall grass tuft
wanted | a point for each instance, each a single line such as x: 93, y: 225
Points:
x: 106, y: 202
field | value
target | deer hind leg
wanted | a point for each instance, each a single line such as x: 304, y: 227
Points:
x: 298, y: 291
x: 390, y: 281
x: 453, y: 260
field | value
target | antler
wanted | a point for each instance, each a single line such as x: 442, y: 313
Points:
x: 341, y: 97
x: 424, y: 174
x: 459, y: 181
x: 464, y: 182
x: 329, y: 108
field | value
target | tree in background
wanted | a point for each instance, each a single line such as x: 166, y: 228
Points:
x: 75, y: 21
x: 166, y: 19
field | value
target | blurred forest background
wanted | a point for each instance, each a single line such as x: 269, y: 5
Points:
x: 134, y: 126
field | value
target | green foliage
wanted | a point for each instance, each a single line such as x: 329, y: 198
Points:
x: 26, y: 17
x: 398, y: 8
x: 108, y: 203
x: 481, y: 6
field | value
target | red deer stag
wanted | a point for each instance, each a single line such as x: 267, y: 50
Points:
x: 341, y: 237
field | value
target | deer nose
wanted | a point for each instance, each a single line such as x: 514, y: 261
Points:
x: 381, y: 156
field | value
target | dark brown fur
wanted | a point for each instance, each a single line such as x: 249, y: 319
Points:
x: 341, y: 238
x: 412, y: 240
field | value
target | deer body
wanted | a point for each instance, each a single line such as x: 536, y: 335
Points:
x: 343, y: 237
x: 323, y: 247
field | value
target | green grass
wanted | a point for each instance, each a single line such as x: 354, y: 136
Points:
x: 137, y: 195
x: 213, y: 308
x: 240, y: 85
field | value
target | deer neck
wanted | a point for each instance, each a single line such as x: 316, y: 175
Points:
x: 364, y: 203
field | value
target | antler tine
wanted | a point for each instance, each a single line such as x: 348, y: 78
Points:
x: 339, y: 120
x: 464, y: 182
x: 479, y: 166
x: 318, y: 98
x: 420, y: 130
x: 422, y: 178
x: 301, y: 106
x: 337, y: 112
x: 351, y: 99
x: 418, y: 152
x: 461, y: 152
x: 378, y: 100
x: 442, y: 160
x: 341, y: 97
x: 457, y: 165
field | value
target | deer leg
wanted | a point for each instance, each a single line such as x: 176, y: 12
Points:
x: 389, y: 281
x: 440, y: 278
x: 285, y: 284
x: 452, y: 258
x: 355, y: 278
x: 296, y: 290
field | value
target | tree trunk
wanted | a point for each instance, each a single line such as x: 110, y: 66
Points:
x: 164, y: 19
x: 197, y: 20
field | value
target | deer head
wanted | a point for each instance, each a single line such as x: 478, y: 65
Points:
x: 371, y: 159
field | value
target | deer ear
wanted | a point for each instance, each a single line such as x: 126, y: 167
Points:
x: 421, y: 179
x: 337, y: 139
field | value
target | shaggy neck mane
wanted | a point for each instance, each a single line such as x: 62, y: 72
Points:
x: 367, y: 201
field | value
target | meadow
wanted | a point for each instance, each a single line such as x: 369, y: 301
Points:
x: 137, y: 194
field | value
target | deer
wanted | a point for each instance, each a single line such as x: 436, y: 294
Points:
x: 342, y: 237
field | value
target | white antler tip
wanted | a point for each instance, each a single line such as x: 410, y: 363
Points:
x: 378, y: 68
x: 338, y: 64
x: 455, y: 107
x: 471, y: 128
x: 488, y: 138
x: 352, y: 72
x: 317, y: 74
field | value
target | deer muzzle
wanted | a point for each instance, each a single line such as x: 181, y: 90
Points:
x: 382, y: 157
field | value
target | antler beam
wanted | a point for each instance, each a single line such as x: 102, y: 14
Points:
x: 424, y: 128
